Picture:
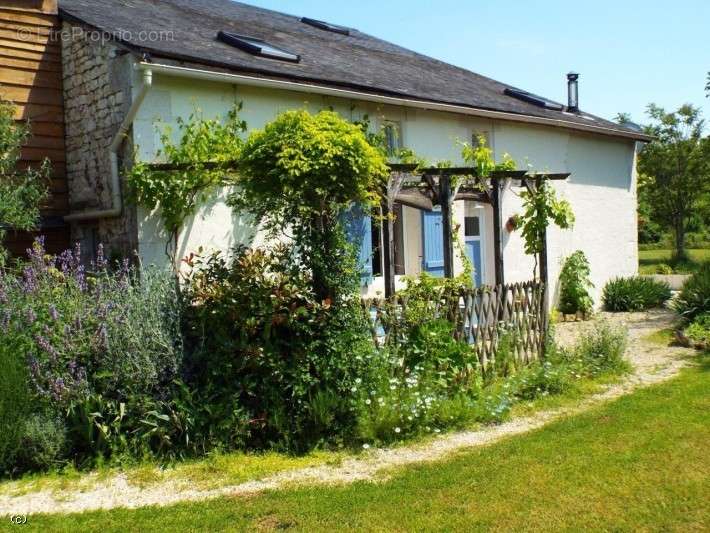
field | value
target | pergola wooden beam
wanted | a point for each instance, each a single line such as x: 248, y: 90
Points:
x: 424, y: 188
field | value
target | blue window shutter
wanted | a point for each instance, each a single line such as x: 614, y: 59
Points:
x: 433, y: 242
x: 358, y: 228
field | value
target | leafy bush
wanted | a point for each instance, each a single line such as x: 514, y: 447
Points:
x: 575, y: 285
x: 601, y: 351
x: 76, y: 336
x: 634, y: 294
x: 303, y: 172
x: 698, y: 331
x: 43, y: 443
x: 663, y: 268
x: 261, y: 341
x: 22, y: 192
x: 15, y: 404
x: 694, y: 297
x: 425, y: 380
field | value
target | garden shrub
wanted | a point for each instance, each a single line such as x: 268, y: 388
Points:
x: 77, y: 336
x: 694, y: 297
x: 634, y: 294
x: 663, y: 268
x: 15, y: 404
x: 426, y: 380
x: 601, y: 351
x: 261, y: 341
x: 43, y: 442
x: 575, y: 285
x: 698, y: 331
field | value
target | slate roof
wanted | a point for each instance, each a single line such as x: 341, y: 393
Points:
x: 357, y: 61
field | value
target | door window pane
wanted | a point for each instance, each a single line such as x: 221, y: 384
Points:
x: 472, y: 227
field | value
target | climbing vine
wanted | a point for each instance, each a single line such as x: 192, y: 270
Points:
x: 201, y: 146
x: 540, y: 206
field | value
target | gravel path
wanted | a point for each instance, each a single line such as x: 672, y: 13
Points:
x: 652, y: 364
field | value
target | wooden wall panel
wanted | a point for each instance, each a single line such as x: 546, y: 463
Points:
x: 31, y: 78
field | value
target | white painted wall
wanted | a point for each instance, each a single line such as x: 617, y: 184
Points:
x: 602, y: 188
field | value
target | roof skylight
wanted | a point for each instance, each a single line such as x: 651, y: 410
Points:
x: 532, y: 99
x: 327, y: 26
x: 257, y: 47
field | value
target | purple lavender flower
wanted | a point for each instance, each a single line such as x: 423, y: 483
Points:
x: 58, y: 389
x: 80, y: 278
x: 31, y: 316
x: 101, y: 262
x: 36, y: 254
x: 46, y: 346
x: 53, y: 313
x: 65, y: 261
x: 29, y: 279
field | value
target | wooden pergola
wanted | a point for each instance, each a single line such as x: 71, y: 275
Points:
x: 425, y: 188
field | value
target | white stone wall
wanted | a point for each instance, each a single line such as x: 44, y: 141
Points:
x: 602, y: 188
x: 97, y: 92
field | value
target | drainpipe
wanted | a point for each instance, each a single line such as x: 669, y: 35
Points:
x: 116, y: 202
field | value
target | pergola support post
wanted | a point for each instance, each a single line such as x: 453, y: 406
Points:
x: 388, y: 248
x: 446, y: 200
x: 394, y: 185
x: 544, y: 273
x: 497, y: 223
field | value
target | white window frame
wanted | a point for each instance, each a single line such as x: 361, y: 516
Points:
x: 477, y: 210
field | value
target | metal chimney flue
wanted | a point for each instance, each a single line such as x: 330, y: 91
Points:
x: 572, y: 92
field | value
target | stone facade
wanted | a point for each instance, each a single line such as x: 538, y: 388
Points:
x: 97, y: 95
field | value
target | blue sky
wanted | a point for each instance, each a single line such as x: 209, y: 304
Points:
x: 629, y: 52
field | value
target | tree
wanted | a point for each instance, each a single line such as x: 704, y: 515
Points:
x: 21, y: 192
x: 301, y: 173
x: 677, y: 167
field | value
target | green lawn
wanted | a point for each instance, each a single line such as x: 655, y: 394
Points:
x: 650, y: 259
x: 639, y: 463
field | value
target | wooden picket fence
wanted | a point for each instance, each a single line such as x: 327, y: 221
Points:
x: 481, y: 316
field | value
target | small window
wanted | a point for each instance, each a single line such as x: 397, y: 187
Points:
x: 472, y: 226
x: 327, y: 26
x: 477, y: 134
x: 533, y: 99
x: 257, y: 47
x: 393, y: 137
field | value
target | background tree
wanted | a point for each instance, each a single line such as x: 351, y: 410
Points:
x: 677, y: 168
x: 21, y: 192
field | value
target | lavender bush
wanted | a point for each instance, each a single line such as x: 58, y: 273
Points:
x: 111, y: 333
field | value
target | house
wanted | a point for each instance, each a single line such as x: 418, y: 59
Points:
x: 129, y: 64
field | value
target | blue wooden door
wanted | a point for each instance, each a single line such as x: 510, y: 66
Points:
x: 473, y: 250
x: 358, y: 228
x: 433, y: 243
